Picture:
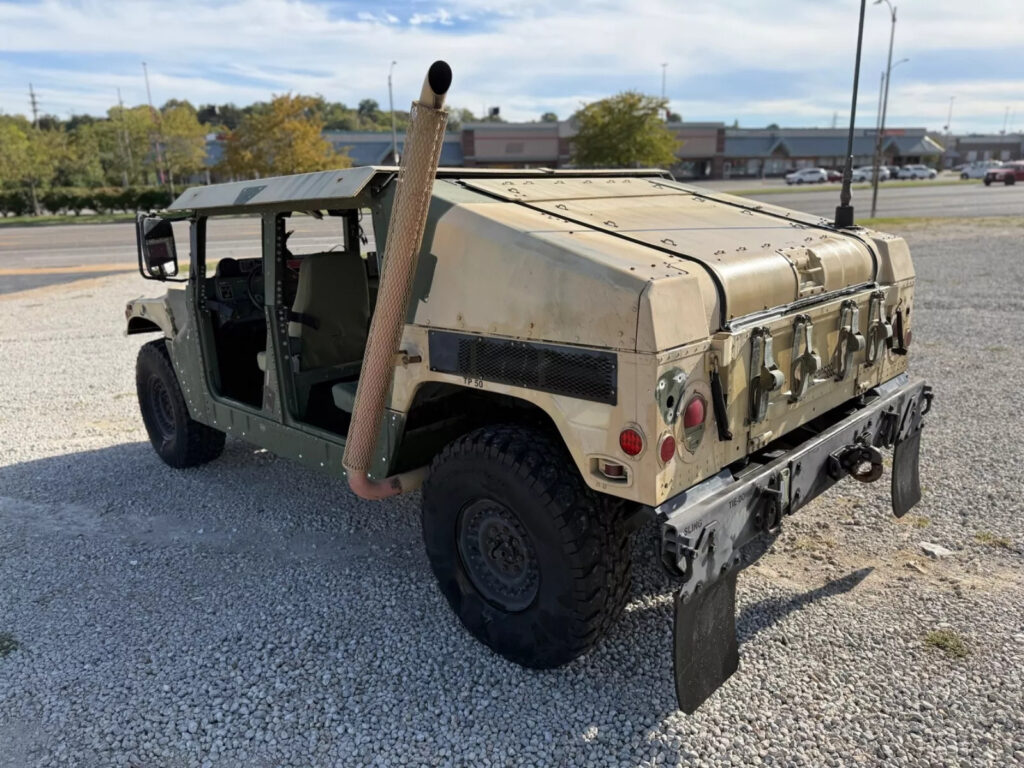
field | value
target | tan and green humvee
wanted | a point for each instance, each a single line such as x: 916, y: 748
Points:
x: 581, y: 350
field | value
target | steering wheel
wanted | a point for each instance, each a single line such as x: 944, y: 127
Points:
x: 255, y: 294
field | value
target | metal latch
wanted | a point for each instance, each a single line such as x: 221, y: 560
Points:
x: 851, y: 340
x: 768, y: 378
x: 879, y: 329
x: 806, y: 365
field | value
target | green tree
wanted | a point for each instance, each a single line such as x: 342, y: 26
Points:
x: 282, y: 139
x: 369, y: 112
x: 624, y: 131
x: 184, y: 140
x: 549, y: 117
x: 13, y: 152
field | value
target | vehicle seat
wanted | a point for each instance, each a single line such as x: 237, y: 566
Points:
x: 344, y: 394
x: 331, y: 312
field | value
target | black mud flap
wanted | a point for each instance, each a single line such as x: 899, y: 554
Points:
x: 906, y: 477
x: 704, y: 641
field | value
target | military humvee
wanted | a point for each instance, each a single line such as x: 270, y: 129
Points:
x: 579, y: 351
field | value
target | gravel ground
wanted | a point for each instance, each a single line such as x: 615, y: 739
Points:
x: 253, y: 613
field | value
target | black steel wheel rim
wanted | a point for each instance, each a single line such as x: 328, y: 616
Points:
x: 498, y: 555
x: 163, y: 408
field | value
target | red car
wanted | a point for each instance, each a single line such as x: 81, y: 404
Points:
x: 1009, y: 173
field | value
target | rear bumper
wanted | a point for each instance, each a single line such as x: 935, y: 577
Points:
x: 730, y: 509
x: 704, y: 529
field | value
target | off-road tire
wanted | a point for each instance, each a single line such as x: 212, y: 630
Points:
x: 580, y: 545
x: 178, y: 439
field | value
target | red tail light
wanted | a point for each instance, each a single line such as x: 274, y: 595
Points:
x: 631, y: 441
x: 693, y: 422
x: 695, y: 412
x: 667, y: 449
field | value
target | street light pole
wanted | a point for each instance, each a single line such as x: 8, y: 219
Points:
x: 391, y: 104
x: 885, y: 106
x: 664, y: 67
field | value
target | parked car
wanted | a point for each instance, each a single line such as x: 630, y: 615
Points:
x: 893, y: 170
x: 834, y: 175
x: 807, y: 176
x: 916, y: 172
x: 978, y: 169
x: 1008, y: 173
x: 867, y: 173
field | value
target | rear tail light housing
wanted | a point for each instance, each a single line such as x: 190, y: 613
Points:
x: 694, y: 420
x: 631, y: 441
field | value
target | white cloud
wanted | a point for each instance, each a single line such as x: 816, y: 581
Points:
x: 527, y: 56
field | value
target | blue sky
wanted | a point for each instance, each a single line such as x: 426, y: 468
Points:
x: 784, y: 61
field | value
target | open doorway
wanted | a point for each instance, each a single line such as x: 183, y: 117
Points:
x: 231, y: 300
x: 325, y: 256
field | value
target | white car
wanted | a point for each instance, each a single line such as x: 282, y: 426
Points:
x: 916, y: 172
x: 866, y: 173
x: 807, y: 176
x: 978, y: 169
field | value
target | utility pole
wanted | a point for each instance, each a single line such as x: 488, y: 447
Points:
x: 835, y: 118
x: 35, y: 126
x: 35, y: 106
x: 391, y: 104
x: 885, y: 106
x: 129, y: 172
x: 158, y: 141
x: 949, y: 133
x: 1006, y: 117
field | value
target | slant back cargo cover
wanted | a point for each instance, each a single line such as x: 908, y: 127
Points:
x: 758, y: 261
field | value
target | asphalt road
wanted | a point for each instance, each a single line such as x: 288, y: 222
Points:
x: 35, y: 256
x: 31, y: 257
x: 931, y: 200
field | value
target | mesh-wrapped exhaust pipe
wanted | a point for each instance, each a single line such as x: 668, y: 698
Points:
x: 401, y: 254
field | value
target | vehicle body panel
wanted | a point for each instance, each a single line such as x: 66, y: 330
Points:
x: 668, y: 277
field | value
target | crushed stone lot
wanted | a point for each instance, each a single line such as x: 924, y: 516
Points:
x: 254, y: 613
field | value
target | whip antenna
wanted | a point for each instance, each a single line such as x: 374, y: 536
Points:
x: 844, y: 211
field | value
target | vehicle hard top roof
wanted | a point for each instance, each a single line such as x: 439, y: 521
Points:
x: 344, y: 184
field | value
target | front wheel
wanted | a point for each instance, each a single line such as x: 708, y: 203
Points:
x: 1010, y: 180
x: 988, y: 181
x: 178, y: 439
x: 534, y: 564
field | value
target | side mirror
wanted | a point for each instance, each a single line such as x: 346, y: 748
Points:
x: 158, y: 258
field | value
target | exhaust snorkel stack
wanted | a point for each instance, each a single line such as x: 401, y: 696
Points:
x: 401, y: 255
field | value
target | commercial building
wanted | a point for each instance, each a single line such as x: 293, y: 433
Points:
x: 705, y: 150
x: 974, y: 147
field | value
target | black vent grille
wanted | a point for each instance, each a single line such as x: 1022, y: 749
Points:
x: 581, y: 373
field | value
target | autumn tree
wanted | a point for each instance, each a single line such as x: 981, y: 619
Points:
x: 284, y: 138
x: 184, y: 140
x: 624, y: 131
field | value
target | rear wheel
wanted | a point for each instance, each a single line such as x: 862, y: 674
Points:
x: 534, y: 564
x: 178, y: 439
x: 1010, y: 180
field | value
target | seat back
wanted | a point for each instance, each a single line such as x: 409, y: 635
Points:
x: 332, y: 301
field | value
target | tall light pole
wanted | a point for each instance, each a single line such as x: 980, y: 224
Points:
x: 885, y: 106
x: 881, y: 88
x: 664, y: 67
x: 161, y: 166
x: 391, y: 104
x: 949, y: 122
